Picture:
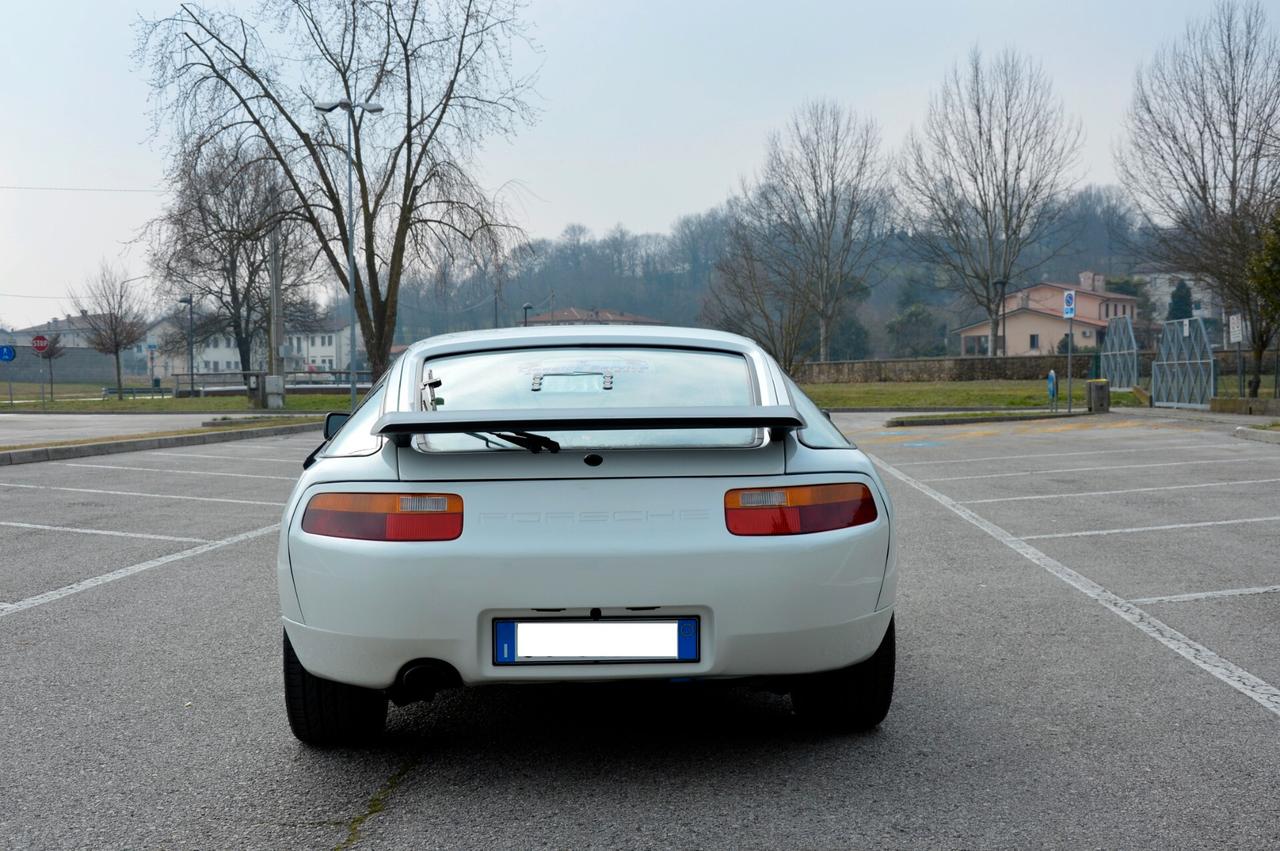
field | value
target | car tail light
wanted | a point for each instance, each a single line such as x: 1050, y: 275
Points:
x: 385, y: 516
x: 798, y: 510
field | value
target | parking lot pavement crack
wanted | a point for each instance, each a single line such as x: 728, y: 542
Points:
x: 377, y: 803
x: 1202, y: 657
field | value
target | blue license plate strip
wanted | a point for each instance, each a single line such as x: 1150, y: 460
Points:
x: 505, y: 651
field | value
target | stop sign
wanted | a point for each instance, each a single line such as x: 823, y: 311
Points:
x: 39, y: 342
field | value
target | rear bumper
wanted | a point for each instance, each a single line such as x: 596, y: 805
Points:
x: 375, y: 661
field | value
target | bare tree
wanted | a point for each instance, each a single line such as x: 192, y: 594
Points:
x: 442, y: 72
x: 824, y: 193
x: 754, y: 292
x: 114, y: 311
x: 212, y: 243
x: 986, y: 176
x: 1199, y: 162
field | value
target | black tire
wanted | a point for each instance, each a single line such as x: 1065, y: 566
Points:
x: 326, y: 713
x: 856, y: 698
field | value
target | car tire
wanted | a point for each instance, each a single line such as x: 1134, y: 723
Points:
x: 851, y: 699
x: 326, y: 713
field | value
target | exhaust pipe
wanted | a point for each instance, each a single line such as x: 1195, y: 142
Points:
x: 421, y: 679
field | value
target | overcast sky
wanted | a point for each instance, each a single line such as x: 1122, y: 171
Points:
x: 649, y: 108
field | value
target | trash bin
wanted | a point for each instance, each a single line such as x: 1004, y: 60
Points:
x: 1098, y: 395
x: 155, y: 384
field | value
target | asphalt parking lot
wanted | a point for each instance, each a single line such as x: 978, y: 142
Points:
x: 1088, y: 655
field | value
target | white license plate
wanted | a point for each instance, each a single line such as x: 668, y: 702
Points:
x: 641, y: 640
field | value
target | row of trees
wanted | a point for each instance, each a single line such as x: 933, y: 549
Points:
x: 979, y: 198
x: 983, y: 190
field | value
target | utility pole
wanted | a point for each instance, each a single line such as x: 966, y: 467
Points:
x: 350, y: 109
x: 275, y: 360
x: 191, y: 349
x: 1071, y: 340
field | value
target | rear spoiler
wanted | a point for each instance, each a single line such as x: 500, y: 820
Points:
x: 400, y: 426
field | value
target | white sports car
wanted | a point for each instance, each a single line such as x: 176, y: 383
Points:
x: 584, y: 503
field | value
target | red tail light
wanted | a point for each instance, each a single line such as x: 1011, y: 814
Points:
x: 385, y: 516
x: 798, y: 510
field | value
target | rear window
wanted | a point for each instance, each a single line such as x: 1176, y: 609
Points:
x: 592, y: 378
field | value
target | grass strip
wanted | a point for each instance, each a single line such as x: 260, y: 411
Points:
x: 146, y: 435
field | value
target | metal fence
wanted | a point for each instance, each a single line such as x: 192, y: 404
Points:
x: 1119, y: 356
x: 1184, y: 373
x: 234, y: 383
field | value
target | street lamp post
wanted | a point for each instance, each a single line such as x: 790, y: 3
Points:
x: 191, y: 350
x: 350, y: 109
x: 527, y: 308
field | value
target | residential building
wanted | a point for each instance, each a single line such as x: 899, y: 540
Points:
x: 1032, y: 319
x: 324, y: 347
x: 75, y: 330
x: 1205, y: 303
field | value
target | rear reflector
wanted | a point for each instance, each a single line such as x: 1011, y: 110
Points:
x: 385, y: 516
x: 798, y: 510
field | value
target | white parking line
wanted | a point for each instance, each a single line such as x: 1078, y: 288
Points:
x: 1094, y: 532
x: 79, y: 531
x: 1253, y: 460
x: 1113, y: 493
x: 1202, y: 657
x: 1147, y: 448
x: 140, y: 493
x: 177, y: 472
x: 1209, y: 595
x: 93, y: 582
x: 297, y: 462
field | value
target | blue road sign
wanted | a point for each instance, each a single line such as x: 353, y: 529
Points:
x: 1069, y: 304
x: 7, y: 353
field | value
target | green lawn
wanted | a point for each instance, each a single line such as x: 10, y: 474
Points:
x: 209, y: 404
x: 948, y: 394
x: 61, y: 390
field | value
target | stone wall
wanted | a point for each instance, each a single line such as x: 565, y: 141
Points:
x: 940, y: 369
x: 983, y: 368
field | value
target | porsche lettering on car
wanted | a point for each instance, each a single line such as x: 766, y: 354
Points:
x: 584, y: 503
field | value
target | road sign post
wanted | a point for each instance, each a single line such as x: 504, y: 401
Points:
x: 8, y: 353
x: 1069, y: 313
x: 40, y: 345
x: 1235, y: 334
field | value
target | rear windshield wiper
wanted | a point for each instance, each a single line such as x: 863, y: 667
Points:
x: 527, y: 440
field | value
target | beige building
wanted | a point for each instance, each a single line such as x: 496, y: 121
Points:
x: 1033, y: 324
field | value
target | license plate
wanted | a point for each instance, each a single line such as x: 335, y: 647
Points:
x: 551, y: 641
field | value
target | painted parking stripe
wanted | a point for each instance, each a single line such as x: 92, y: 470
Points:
x: 94, y: 582
x: 177, y: 472
x: 1251, y: 686
x: 1096, y: 532
x: 140, y: 493
x: 1113, y: 493
x: 1252, y: 460
x: 1147, y: 448
x: 295, y: 461
x: 108, y: 532
x: 1209, y: 595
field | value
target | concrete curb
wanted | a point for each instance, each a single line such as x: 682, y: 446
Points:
x: 83, y: 450
x: 906, y: 422
x: 1260, y: 435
